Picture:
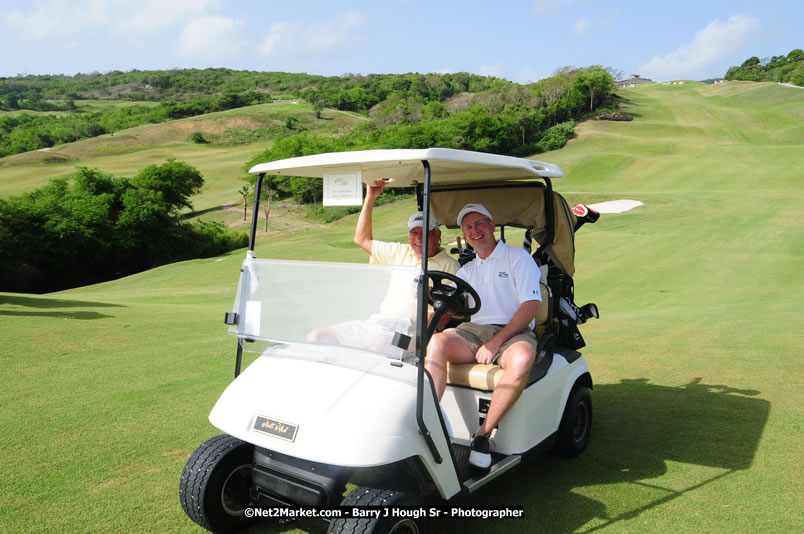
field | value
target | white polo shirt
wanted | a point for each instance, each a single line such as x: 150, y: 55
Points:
x: 504, y: 281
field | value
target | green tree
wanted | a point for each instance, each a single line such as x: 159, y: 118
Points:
x: 318, y: 107
x: 173, y: 183
x: 594, y: 81
x: 245, y: 192
x: 11, y: 101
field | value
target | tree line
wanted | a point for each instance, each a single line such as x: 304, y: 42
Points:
x: 783, y: 69
x: 505, y: 118
x: 154, y: 86
x: 395, y: 101
x: 96, y: 227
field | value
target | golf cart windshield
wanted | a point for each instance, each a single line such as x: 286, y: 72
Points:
x: 345, y: 304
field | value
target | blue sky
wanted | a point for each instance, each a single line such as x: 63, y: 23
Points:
x: 520, y: 40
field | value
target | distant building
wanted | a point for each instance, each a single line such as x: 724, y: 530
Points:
x: 633, y: 81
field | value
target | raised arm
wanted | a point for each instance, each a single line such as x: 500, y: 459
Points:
x: 363, y: 232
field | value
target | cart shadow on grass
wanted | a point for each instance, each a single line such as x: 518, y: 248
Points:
x: 638, y: 430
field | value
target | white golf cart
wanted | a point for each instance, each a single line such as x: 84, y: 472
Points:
x: 313, y: 413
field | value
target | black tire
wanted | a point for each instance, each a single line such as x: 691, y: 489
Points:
x: 215, y: 484
x: 576, y: 423
x: 381, y: 525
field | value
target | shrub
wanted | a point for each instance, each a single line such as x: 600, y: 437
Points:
x: 556, y: 136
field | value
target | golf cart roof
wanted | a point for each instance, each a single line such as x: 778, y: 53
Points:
x: 404, y: 166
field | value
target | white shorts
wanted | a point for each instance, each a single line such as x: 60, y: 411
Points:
x: 376, y: 333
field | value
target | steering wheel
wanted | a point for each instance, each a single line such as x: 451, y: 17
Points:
x: 452, y: 298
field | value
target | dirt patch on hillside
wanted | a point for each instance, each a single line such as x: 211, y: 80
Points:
x: 180, y: 131
x: 215, y: 126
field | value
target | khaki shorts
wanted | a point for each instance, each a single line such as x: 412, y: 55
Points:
x: 476, y: 335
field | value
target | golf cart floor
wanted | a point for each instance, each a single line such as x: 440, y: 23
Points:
x: 467, y: 473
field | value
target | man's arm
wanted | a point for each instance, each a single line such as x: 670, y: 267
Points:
x: 363, y: 232
x: 525, y: 314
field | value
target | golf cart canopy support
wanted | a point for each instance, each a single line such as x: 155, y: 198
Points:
x: 404, y: 166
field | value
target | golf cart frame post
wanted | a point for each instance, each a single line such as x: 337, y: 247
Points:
x: 251, y: 240
x: 422, y: 332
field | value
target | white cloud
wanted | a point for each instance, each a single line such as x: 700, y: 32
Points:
x: 497, y: 70
x: 297, y: 39
x: 58, y: 17
x: 210, y: 37
x: 580, y: 26
x: 62, y: 17
x: 148, y: 16
x: 717, y: 41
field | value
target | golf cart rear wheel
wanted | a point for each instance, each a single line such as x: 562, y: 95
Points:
x: 576, y: 423
x: 215, y: 484
x: 378, y: 525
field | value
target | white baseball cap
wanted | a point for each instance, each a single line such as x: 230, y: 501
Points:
x: 417, y: 221
x: 476, y: 208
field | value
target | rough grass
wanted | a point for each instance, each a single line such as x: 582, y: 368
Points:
x: 235, y: 135
x: 698, y: 385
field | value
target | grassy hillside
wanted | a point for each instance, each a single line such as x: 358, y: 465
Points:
x: 234, y: 135
x: 698, y: 385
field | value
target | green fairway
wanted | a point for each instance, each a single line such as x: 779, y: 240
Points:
x: 698, y: 386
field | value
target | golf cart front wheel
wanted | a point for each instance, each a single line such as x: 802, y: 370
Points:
x: 215, y: 484
x: 393, y: 524
x: 576, y: 423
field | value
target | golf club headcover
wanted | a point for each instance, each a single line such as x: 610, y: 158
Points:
x: 584, y: 214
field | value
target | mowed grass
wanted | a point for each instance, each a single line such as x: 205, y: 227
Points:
x: 696, y: 358
x: 240, y: 133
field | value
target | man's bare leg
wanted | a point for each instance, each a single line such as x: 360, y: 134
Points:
x: 516, y: 362
x: 445, y: 347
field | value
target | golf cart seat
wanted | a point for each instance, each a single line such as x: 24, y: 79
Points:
x: 487, y: 376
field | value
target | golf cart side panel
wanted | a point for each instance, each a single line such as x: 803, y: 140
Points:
x: 548, y: 396
x: 329, y: 415
x: 520, y: 430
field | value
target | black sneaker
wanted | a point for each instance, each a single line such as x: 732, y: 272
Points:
x: 480, y: 456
